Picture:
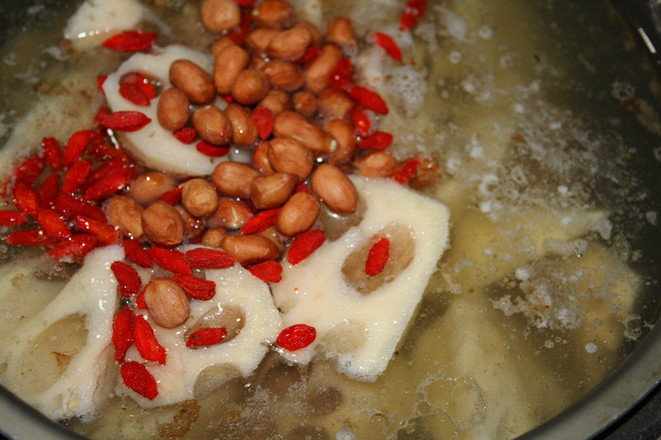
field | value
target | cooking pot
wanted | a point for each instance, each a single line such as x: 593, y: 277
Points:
x: 621, y: 393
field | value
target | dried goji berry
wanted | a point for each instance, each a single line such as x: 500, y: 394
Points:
x: 100, y: 81
x: 245, y: 3
x: 260, y: 222
x: 173, y: 197
x: 368, y: 99
x: 170, y: 259
x: 133, y: 93
x: 127, y: 278
x: 53, y: 225
x: 139, y: 379
x: 407, y: 172
x: 136, y: 253
x: 52, y: 152
x: 105, y: 233
x: 76, y: 146
x: 310, y: 54
x: 68, y: 207
x: 75, y: 248
x: 361, y: 120
x: 122, y: 333
x: 206, y: 337
x: 239, y: 36
x: 205, y: 258
x: 304, y: 245
x: 146, y: 342
x: 296, y: 337
x: 28, y: 171
x: 300, y: 187
x: 196, y: 288
x: 141, y: 81
x: 377, y: 257
x: 29, y: 237
x: 26, y: 199
x: 379, y: 140
x: 387, y: 43
x: 341, y: 76
x: 75, y: 177
x: 269, y: 270
x: 102, y: 152
x: 108, y: 166
x: 264, y: 121
x: 11, y: 218
x: 111, y: 183
x: 412, y: 13
x: 140, y: 301
x: 131, y: 41
x: 185, y: 135
x: 212, y: 150
x: 48, y: 190
x: 123, y: 120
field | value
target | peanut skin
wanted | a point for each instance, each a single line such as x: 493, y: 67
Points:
x: 212, y: 125
x: 194, y: 81
x: 173, y: 109
x: 231, y: 61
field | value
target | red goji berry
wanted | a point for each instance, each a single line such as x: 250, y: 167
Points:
x: 205, y: 258
x: 196, y: 288
x: 100, y: 81
x: 11, y: 218
x: 412, y: 13
x: 341, y: 76
x: 269, y: 270
x: 368, y: 99
x: 141, y: 81
x: 387, y: 43
x: 105, y: 233
x: 240, y: 36
x: 170, y: 259
x: 310, y: 54
x: 127, y: 277
x: 304, y: 245
x: 75, y: 248
x: 139, y: 379
x: 136, y: 253
x: 133, y: 93
x: 185, y: 135
x: 102, y: 152
x: 361, y: 120
x: 53, y: 225
x: 104, y: 170
x: 206, y: 336
x: 146, y: 342
x: 296, y: 337
x: 111, y: 183
x: 76, y: 146
x: 406, y: 172
x: 68, y: 207
x: 48, y: 190
x: 212, y: 150
x: 52, y: 152
x: 76, y: 176
x: 122, y: 333
x: 379, y: 140
x: 131, y: 41
x: 140, y: 300
x: 173, y: 197
x: 29, y: 237
x: 245, y: 3
x: 377, y: 257
x: 28, y: 171
x: 26, y: 199
x: 227, y: 98
x: 123, y: 120
x: 264, y: 121
x: 260, y: 222
x: 300, y: 187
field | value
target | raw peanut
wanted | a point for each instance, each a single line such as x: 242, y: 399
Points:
x: 315, y: 33
x: 298, y: 214
x: 290, y: 44
x: 167, y: 303
x: 234, y: 178
x: 220, y: 44
x: 335, y: 189
x: 250, y: 249
x: 212, y: 125
x: 287, y: 155
x: 162, y: 224
x: 231, y: 61
x: 335, y: 104
x: 426, y: 175
x: 193, y: 226
x: 260, y: 158
x: 257, y: 62
x: 148, y: 187
x: 220, y: 15
x: 284, y: 75
x: 199, y: 197
x: 272, y: 13
x: 277, y: 101
x: 376, y: 164
x: 244, y: 132
x: 231, y: 214
x: 318, y: 72
x: 272, y: 234
x: 344, y: 133
x: 194, y: 81
x: 250, y: 86
x: 305, y: 103
x: 126, y: 214
x: 214, y: 237
x: 173, y: 109
x: 340, y: 31
x: 271, y: 191
x: 296, y: 126
x: 259, y: 39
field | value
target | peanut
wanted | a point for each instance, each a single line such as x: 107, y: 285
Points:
x: 258, y: 40
x: 296, y: 126
x: 220, y: 15
x: 340, y: 31
x: 220, y: 44
x: 272, y: 13
x: 260, y: 158
x: 305, y: 103
x: 167, y: 303
x: 194, y: 81
x: 250, y: 86
x: 277, y: 101
x: 344, y: 133
x: 376, y: 164
x: 212, y: 125
x: 298, y: 214
x: 234, y: 178
x: 273, y: 235
x: 243, y: 127
x: 199, y: 197
x: 257, y: 62
x: 229, y: 63
x: 334, y: 104
x: 173, y: 109
x: 250, y: 249
x: 285, y: 75
x: 148, y: 187
x: 315, y: 33
x: 274, y: 190
x: 231, y: 214
x: 286, y: 155
x: 214, y: 237
x: 427, y: 174
x: 193, y: 226
x: 319, y: 70
x: 162, y: 224
x: 335, y: 189
x: 290, y: 44
x: 125, y: 214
